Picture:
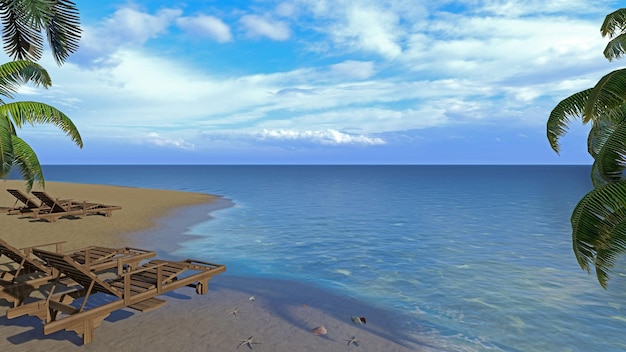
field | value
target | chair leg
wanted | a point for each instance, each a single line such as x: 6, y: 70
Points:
x: 202, y: 287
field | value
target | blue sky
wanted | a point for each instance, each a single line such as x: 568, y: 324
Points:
x: 323, y: 82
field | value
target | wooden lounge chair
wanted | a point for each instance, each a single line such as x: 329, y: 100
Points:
x: 135, y: 289
x: 23, y: 274
x: 29, y: 204
x: 18, y: 283
x: 102, y: 258
x: 56, y: 209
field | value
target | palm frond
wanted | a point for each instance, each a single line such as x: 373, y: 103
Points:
x: 598, y: 135
x: 597, y: 223
x: 21, y: 32
x: 23, y: 22
x: 608, y: 95
x: 613, y: 23
x: 33, y: 73
x: 14, y: 73
x: 35, y: 113
x: 616, y: 47
x: 27, y: 162
x: 6, y: 146
x: 597, y: 179
x: 614, y: 247
x: 562, y: 115
x: 612, y: 156
x: 63, y: 29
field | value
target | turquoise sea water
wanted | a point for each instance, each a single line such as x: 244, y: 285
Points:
x: 470, y: 258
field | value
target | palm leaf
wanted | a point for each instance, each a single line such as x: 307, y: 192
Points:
x: 34, y: 112
x: 597, y: 179
x: 562, y: 115
x: 597, y: 223
x: 612, y: 156
x: 616, y: 47
x: 613, y: 23
x: 598, y: 135
x: 608, y: 95
x: 14, y: 73
x: 6, y: 146
x: 615, y: 245
x: 27, y: 162
x: 24, y: 20
x: 21, y: 31
x: 63, y: 29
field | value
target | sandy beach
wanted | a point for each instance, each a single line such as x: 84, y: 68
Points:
x: 277, y: 315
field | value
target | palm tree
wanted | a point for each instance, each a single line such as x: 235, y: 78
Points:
x: 13, y: 150
x: 599, y: 218
x: 23, y: 22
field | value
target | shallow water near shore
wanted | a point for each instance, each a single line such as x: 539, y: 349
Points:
x: 470, y: 258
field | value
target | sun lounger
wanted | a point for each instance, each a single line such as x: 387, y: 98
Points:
x: 18, y: 283
x: 135, y: 289
x: 56, y: 209
x: 102, y: 258
x: 29, y: 204
x: 23, y: 274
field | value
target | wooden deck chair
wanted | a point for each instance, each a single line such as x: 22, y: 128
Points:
x: 29, y: 204
x: 135, y: 289
x: 96, y: 258
x: 56, y: 209
x: 18, y: 283
x: 24, y: 275
x: 102, y: 209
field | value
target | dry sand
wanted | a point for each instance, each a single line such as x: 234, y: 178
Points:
x: 280, y: 317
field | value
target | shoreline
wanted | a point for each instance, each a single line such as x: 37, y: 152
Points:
x: 280, y: 316
x: 159, y: 238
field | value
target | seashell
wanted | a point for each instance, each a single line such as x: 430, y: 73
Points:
x: 251, y: 298
x: 359, y: 320
x: 320, y: 330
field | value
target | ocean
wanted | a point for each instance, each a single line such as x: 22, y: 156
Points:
x: 469, y: 258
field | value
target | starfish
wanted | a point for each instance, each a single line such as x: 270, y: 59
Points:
x: 353, y: 341
x: 248, y: 342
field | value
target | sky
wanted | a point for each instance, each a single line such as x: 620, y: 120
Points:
x: 322, y: 82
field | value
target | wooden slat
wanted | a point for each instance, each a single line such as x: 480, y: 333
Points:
x: 149, y: 304
x: 61, y: 307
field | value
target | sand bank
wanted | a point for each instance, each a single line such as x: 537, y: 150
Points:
x: 278, y: 315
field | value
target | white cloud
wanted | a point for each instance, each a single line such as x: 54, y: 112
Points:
x: 492, y: 49
x: 206, y: 26
x: 374, y: 30
x: 326, y: 137
x: 130, y: 25
x: 258, y: 26
x: 517, y: 8
x: 286, y: 9
x: 127, y: 27
x: 353, y: 69
x: 364, y: 26
x: 155, y: 138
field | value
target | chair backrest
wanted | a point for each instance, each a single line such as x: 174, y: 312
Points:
x: 17, y: 256
x: 70, y: 268
x: 22, y: 198
x: 47, y: 200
